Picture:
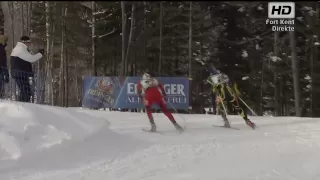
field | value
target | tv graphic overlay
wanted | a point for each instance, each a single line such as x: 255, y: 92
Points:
x: 281, y: 15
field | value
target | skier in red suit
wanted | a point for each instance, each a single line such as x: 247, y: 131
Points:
x: 152, y: 92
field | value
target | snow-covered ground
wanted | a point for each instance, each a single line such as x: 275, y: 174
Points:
x: 49, y: 143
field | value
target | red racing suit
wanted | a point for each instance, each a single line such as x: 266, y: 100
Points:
x: 152, y: 92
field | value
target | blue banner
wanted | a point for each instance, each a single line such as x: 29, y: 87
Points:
x: 115, y: 92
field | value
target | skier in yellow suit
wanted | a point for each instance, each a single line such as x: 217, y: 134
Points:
x: 227, y: 98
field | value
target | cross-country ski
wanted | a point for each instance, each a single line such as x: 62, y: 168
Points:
x: 226, y: 127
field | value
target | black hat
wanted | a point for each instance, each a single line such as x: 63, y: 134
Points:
x: 149, y: 73
x: 25, y: 39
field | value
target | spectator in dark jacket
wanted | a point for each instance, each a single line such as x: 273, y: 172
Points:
x: 21, y: 66
x: 4, y: 75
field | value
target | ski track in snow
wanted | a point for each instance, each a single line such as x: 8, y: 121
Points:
x: 48, y: 143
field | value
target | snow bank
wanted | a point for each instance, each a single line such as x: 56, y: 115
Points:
x: 26, y: 128
x: 43, y: 142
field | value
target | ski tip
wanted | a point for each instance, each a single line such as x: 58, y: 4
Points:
x: 146, y: 130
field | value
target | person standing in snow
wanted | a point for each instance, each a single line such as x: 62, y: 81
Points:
x: 152, y: 92
x: 227, y: 97
x: 4, y: 75
x: 21, y: 63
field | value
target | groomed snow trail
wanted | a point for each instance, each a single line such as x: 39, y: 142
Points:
x: 97, y: 145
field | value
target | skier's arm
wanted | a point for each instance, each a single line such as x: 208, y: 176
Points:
x: 139, y: 90
x: 162, y: 89
x: 235, y: 87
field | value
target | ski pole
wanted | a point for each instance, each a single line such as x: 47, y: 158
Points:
x: 185, y: 121
x: 247, y: 106
x: 242, y: 102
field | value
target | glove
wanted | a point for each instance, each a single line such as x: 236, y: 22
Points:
x: 165, y: 98
x: 145, y: 102
x: 218, y: 100
x: 41, y: 51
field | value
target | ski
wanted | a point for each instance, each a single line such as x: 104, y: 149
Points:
x: 146, y: 130
x: 226, y: 127
x: 159, y: 132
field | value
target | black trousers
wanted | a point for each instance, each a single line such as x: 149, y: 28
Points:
x: 2, y: 83
x: 24, y: 88
x: 2, y: 92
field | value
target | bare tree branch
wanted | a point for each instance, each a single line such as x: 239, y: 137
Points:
x: 107, y: 34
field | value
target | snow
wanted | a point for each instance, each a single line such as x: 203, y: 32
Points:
x: 245, y: 78
x: 300, y: 18
x: 244, y: 54
x: 275, y: 58
x: 100, y: 12
x: 241, y: 9
x: 307, y: 77
x: 260, y: 7
x: 42, y: 142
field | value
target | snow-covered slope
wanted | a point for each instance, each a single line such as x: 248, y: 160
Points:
x: 42, y: 142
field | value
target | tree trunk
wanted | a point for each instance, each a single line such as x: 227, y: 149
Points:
x: 295, y: 74
x: 262, y: 88
x: 48, y: 70
x: 66, y: 72
x: 93, y: 36
x: 61, y: 76
x: 132, y: 31
x: 13, y: 21
x: 29, y: 12
x: 66, y: 75
x: 160, y: 43
x: 51, y: 59
x: 276, y: 51
x: 145, y: 28
x: 78, y: 87
x: 124, y: 33
x: 314, y: 66
x: 202, y: 74
x: 22, y: 17
x: 190, y: 55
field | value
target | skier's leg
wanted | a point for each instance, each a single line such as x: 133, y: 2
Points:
x: 165, y: 111
x: 148, y: 104
x: 223, y: 111
x: 239, y: 109
x: 223, y: 115
x: 2, y: 90
x: 169, y: 115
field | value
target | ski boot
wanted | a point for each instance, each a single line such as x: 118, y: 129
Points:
x: 227, y: 124
x: 153, y: 128
x: 250, y: 123
x: 178, y: 127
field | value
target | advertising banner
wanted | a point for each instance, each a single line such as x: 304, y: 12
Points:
x: 116, y: 92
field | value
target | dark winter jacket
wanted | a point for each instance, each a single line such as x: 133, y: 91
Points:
x: 3, y: 54
x: 4, y: 75
x: 3, y: 57
x: 21, y: 60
